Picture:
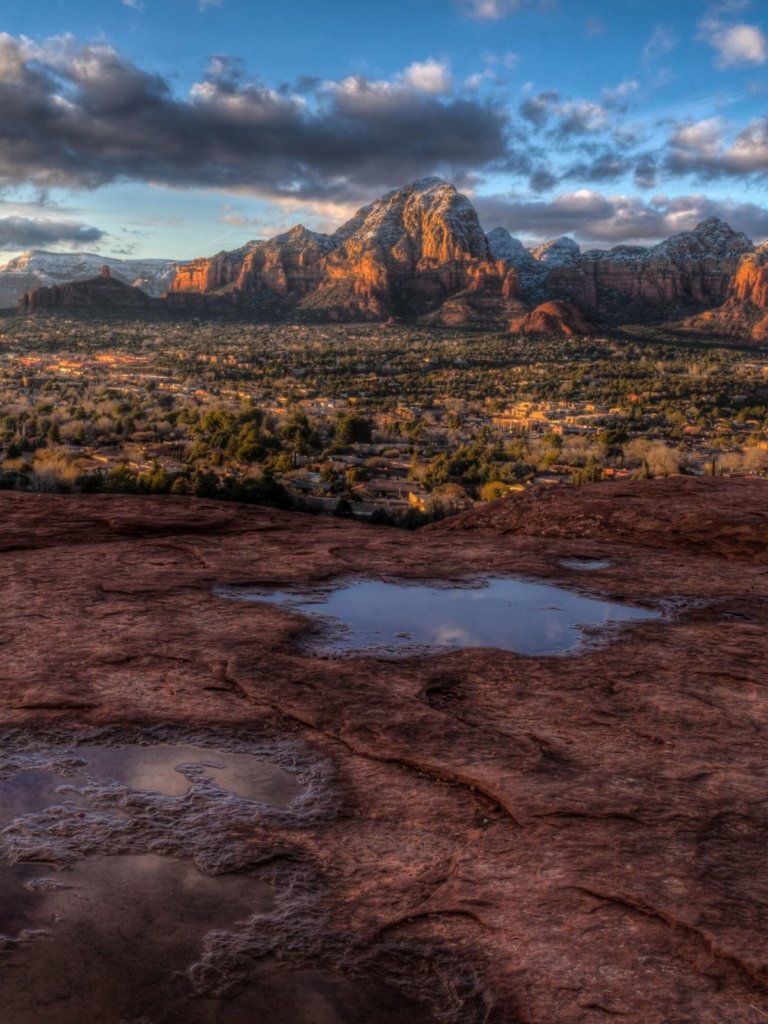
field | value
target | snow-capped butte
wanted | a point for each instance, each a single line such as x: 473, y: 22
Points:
x: 560, y: 252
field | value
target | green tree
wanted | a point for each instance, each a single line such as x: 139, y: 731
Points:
x: 353, y: 429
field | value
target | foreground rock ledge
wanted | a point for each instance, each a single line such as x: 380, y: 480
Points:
x: 589, y: 833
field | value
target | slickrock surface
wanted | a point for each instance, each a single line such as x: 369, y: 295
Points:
x: 563, y: 839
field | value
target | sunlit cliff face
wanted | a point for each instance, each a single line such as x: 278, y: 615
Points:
x: 743, y: 314
x: 422, y: 248
x: 412, y: 248
x: 751, y: 281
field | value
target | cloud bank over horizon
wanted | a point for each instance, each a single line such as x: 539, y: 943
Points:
x: 41, y: 232
x: 612, y: 166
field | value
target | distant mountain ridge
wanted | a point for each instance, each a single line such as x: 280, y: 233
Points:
x: 102, y: 293
x: 419, y: 252
x: 38, y: 268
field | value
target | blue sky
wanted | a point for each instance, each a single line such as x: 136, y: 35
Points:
x: 180, y: 127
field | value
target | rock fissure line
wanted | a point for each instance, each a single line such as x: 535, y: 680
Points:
x: 709, y: 943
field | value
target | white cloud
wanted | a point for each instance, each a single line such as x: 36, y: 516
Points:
x: 430, y: 76
x: 736, y: 45
x: 582, y: 116
x: 488, y: 9
x: 710, y: 148
x: 739, y: 45
x: 473, y: 82
x: 621, y: 92
x: 11, y: 58
x: 749, y: 152
x: 507, y: 60
x: 702, y: 138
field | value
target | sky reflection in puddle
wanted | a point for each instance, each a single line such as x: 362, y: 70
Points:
x: 403, y: 618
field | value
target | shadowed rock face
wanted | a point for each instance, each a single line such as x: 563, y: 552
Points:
x: 502, y: 838
x: 102, y: 293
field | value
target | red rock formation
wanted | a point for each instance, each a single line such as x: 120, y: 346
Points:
x: 693, y: 269
x: 743, y: 314
x: 408, y: 252
x: 286, y: 265
x: 210, y: 275
x: 421, y: 248
x: 404, y: 254
x: 553, y: 318
x: 751, y: 281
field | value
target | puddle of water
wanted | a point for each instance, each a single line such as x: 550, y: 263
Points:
x: 153, y: 768
x: 117, y: 931
x: 34, y: 790
x: 111, y: 941
x: 131, y: 931
x: 586, y: 564
x: 156, y: 768
x: 317, y: 997
x: 403, y: 618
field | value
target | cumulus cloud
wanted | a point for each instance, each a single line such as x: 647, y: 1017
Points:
x: 430, y: 76
x: 573, y: 117
x: 41, y: 232
x: 85, y: 116
x: 604, y: 221
x: 621, y: 93
x: 539, y: 108
x: 736, y: 44
x: 582, y: 117
x: 710, y: 148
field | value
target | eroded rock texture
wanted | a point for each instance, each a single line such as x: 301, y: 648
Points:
x: 575, y: 838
